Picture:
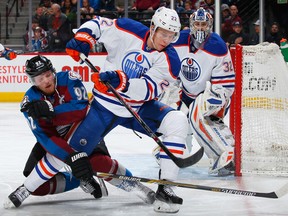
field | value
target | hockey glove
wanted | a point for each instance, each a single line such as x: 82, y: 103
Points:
x: 81, y: 43
x: 39, y: 109
x: 80, y: 166
x: 117, y: 79
x: 9, y: 54
x: 213, y: 99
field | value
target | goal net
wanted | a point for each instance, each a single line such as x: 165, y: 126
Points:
x: 259, y: 110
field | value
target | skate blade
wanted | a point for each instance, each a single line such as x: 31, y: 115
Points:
x: 164, y: 207
x: 148, y: 198
x: 8, y: 204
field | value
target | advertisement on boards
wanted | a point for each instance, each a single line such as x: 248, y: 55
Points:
x: 14, y: 82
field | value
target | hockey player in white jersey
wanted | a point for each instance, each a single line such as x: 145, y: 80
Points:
x: 7, y: 53
x: 206, y: 85
x: 140, y: 64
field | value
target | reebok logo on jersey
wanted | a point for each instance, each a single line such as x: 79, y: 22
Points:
x: 78, y: 156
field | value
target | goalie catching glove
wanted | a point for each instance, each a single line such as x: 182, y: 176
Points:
x: 81, y: 43
x: 117, y: 79
x: 38, y: 109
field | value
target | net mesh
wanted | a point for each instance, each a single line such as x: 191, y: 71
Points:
x: 264, y: 111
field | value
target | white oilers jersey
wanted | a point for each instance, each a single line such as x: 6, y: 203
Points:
x: 149, y: 71
x: 211, y: 62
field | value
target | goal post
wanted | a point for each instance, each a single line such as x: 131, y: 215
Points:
x: 259, y: 110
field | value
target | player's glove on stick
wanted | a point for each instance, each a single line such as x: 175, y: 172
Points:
x: 39, y: 109
x: 118, y: 79
x: 81, y: 43
x: 9, y: 54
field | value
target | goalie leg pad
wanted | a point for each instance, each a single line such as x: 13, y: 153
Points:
x: 211, y: 133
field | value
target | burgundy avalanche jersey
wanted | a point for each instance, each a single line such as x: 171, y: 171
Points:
x: 70, y: 102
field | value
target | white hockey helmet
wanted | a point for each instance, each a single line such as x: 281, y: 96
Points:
x: 201, y: 23
x: 167, y: 19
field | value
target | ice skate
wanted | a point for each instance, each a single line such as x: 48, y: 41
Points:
x: 16, y: 198
x: 223, y: 166
x: 229, y: 169
x: 166, y: 200
x: 92, y: 187
x: 144, y: 193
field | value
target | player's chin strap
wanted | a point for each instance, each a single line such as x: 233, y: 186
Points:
x: 180, y: 162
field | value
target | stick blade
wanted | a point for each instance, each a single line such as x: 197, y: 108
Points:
x: 281, y: 191
x: 191, y: 160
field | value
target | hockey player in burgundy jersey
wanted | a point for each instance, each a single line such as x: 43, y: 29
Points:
x: 207, y: 81
x: 140, y: 64
x: 53, y: 106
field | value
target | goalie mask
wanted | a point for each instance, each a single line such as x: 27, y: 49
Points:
x: 167, y: 19
x: 38, y: 65
x: 200, y: 24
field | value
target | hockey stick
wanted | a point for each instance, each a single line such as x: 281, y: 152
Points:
x: 274, y: 194
x: 180, y: 162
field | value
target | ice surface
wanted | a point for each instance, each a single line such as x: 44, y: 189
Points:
x: 135, y: 153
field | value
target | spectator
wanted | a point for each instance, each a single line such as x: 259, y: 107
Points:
x: 274, y: 36
x: 59, y: 29
x: 227, y: 27
x: 225, y: 13
x: 39, y: 40
x: 146, y: 5
x: 95, y: 4
x: 109, y: 5
x: 42, y: 2
x: 40, y: 18
x: 238, y: 37
x: 188, y: 10
x: 86, y: 11
x: 26, y: 37
x: 254, y: 38
x: 179, y: 5
x: 208, y: 5
x: 46, y: 4
x: 121, y: 3
x: 70, y: 11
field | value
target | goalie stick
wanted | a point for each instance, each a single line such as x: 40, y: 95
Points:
x: 180, y: 162
x: 274, y: 194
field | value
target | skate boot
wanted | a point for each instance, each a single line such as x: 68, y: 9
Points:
x: 166, y: 200
x: 229, y: 169
x: 144, y: 193
x: 92, y: 187
x: 17, y: 197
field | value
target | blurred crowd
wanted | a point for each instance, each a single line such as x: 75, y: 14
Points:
x: 53, y: 20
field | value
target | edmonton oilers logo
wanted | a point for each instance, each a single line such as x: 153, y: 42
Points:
x: 135, y: 64
x: 190, y: 69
